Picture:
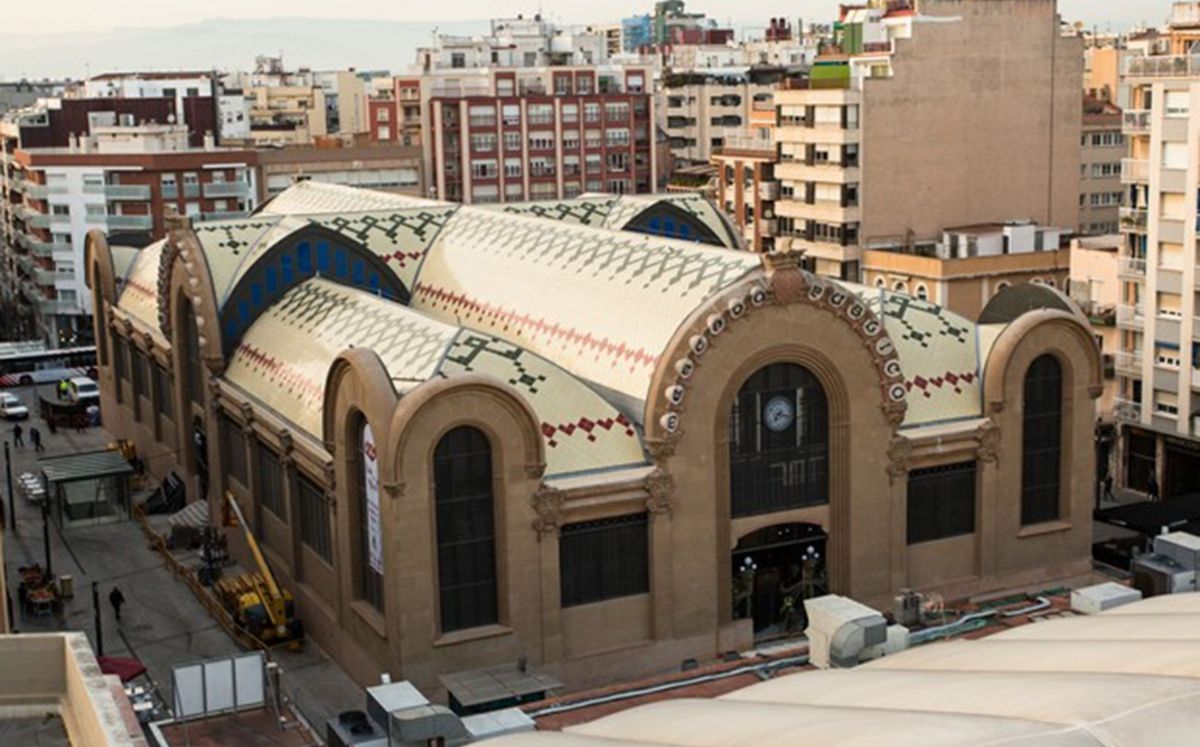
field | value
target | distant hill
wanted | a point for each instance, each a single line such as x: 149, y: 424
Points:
x: 223, y: 44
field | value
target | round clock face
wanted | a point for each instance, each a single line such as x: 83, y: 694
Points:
x: 779, y: 413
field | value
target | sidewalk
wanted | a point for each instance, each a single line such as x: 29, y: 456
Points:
x: 162, y: 623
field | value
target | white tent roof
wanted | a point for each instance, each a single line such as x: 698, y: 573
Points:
x: 1125, y: 678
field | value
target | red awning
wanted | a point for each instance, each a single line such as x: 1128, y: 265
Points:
x: 125, y: 668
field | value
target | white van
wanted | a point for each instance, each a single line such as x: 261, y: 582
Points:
x: 83, y: 389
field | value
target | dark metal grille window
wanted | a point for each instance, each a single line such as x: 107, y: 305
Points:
x: 941, y: 502
x: 235, y: 450
x: 1041, y: 442
x: 164, y: 394
x: 604, y: 559
x: 314, y: 518
x: 138, y: 362
x: 120, y: 366
x: 779, y: 442
x: 270, y: 482
x: 466, y: 529
x: 192, y: 368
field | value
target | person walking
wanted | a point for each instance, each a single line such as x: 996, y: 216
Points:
x: 18, y: 436
x: 116, y: 599
x: 1152, y: 489
x: 62, y: 389
x: 35, y: 438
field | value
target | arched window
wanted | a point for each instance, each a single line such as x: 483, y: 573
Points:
x: 466, y: 530
x: 1041, y: 442
x: 193, y: 372
x: 900, y: 286
x: 922, y: 293
x: 1001, y: 286
x: 368, y: 542
x: 880, y: 283
x: 778, y: 442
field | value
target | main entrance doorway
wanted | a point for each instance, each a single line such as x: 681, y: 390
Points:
x: 774, y: 570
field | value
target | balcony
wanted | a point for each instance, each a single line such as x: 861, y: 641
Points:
x: 1136, y: 122
x: 129, y: 222
x: 220, y: 215
x: 768, y: 191
x: 94, y: 188
x: 170, y: 191
x: 1133, y: 219
x: 44, y: 277
x: 135, y: 192
x: 226, y: 189
x: 1126, y: 409
x: 191, y: 190
x: 42, y: 248
x: 769, y: 227
x: 1129, y: 267
x: 1135, y: 171
x: 1129, y: 315
x: 1163, y: 66
x: 1129, y: 364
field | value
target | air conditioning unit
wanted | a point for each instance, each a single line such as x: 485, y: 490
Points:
x: 907, y: 608
x: 839, y: 629
x: 1101, y: 597
x: 1155, y: 574
x: 1181, y: 547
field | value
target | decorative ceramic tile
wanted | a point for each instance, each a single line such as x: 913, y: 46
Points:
x: 138, y: 296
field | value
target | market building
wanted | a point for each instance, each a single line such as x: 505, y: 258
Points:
x: 471, y: 435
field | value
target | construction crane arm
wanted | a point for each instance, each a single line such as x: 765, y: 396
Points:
x: 273, y: 599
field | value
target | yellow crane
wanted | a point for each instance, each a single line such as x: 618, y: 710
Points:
x: 254, y: 599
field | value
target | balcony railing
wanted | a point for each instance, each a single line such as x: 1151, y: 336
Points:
x: 138, y: 192
x: 129, y: 222
x: 1126, y: 409
x: 1128, y: 363
x: 1135, y: 171
x: 1131, y: 267
x: 1135, y: 121
x: 226, y: 189
x: 1130, y: 315
x: 1163, y: 66
x: 1133, y: 218
x: 220, y: 215
x: 191, y: 190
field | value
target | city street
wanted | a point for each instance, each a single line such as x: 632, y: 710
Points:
x: 162, y: 624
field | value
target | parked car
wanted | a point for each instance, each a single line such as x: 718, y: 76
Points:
x: 12, y: 408
x: 83, y: 389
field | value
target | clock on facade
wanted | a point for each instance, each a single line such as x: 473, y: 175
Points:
x: 779, y: 413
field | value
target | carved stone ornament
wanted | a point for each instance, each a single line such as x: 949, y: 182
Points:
x: 899, y: 452
x: 1095, y: 391
x: 989, y: 442
x: 394, y: 490
x: 785, y: 275
x: 535, y: 470
x: 663, y: 448
x: 548, y: 505
x: 660, y: 487
x: 894, y: 411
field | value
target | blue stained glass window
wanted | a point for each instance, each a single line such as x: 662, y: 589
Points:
x: 304, y: 257
x: 272, y: 280
x: 285, y: 266
x: 323, y: 257
x: 669, y: 227
x: 231, y: 329
x: 244, y: 312
x: 684, y: 230
x: 373, y: 281
x: 360, y: 271
x: 340, y: 263
x: 256, y: 294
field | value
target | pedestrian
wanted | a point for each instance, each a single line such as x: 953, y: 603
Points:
x: 35, y: 438
x: 116, y: 599
x: 1108, y: 483
x: 80, y: 423
x: 52, y: 424
x: 18, y: 438
x: 62, y: 389
x: 1152, y: 489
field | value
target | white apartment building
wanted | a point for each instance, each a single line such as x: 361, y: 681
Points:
x: 232, y: 109
x: 518, y: 42
x: 1158, y: 365
x: 707, y: 108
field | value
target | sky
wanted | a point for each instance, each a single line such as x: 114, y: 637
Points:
x: 72, y: 16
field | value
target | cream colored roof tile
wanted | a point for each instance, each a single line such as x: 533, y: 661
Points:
x: 309, y: 197
x: 138, y: 293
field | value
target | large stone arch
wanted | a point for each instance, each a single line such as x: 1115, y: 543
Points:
x: 101, y: 279
x: 997, y: 369
x: 421, y: 419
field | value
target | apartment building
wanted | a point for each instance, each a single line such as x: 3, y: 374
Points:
x: 193, y: 92
x: 1102, y: 147
x: 1159, y: 361
x: 1095, y: 286
x: 284, y: 107
x: 118, y: 175
x: 861, y: 166
x: 345, y: 94
x: 705, y: 107
x: 386, y: 167
x: 746, y: 187
x: 394, y: 112
x: 541, y: 133
x: 971, y: 264
x: 517, y: 42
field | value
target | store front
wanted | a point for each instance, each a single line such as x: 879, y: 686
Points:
x: 774, y: 570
